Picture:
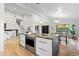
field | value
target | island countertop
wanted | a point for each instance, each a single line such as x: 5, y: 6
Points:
x: 42, y: 36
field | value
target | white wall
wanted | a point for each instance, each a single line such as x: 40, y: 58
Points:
x: 27, y: 21
x: 36, y: 22
x: 77, y: 26
x: 1, y: 27
x: 10, y: 20
x: 39, y: 21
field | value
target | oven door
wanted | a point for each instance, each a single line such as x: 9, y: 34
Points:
x: 30, y: 43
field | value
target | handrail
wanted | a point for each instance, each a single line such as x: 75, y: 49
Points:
x: 21, y: 27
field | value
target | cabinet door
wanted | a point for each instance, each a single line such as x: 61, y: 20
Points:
x: 22, y: 43
x: 22, y: 37
x: 22, y: 40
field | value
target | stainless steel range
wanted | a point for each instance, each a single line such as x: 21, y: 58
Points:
x: 30, y: 43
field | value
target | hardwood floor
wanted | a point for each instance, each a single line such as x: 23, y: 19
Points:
x: 67, y: 51
x: 12, y: 48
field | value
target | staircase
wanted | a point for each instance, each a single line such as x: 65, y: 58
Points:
x: 21, y: 28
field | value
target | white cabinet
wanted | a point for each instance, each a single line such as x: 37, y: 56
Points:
x: 9, y: 34
x: 22, y: 40
x: 43, y: 47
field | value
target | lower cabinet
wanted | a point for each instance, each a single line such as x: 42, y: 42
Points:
x: 9, y: 34
x: 22, y: 40
x: 43, y: 47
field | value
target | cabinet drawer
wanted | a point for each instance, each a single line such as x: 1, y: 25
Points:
x: 43, y: 52
x: 44, y: 46
x: 42, y: 40
x: 43, y: 43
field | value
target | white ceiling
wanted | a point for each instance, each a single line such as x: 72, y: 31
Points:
x: 44, y: 9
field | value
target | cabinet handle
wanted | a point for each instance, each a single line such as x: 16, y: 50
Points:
x: 42, y: 49
x: 42, y: 42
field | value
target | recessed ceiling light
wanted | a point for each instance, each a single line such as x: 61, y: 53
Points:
x: 56, y: 21
x: 41, y: 22
x: 14, y: 8
x: 37, y: 3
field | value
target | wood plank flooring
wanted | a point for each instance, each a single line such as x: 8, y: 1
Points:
x: 67, y: 51
x: 12, y: 48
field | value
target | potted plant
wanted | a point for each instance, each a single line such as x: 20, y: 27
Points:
x: 72, y: 31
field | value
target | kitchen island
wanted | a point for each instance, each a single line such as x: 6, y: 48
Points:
x: 47, y: 45
x: 43, y: 45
